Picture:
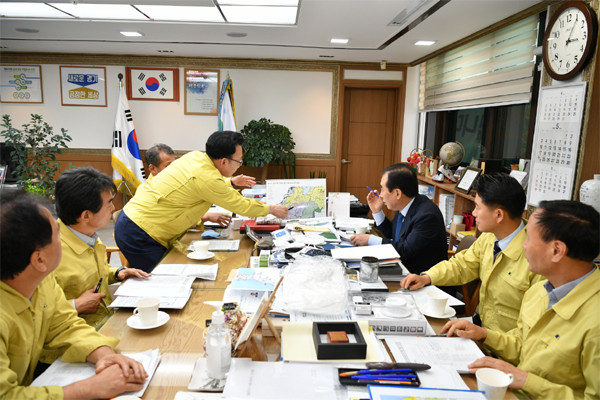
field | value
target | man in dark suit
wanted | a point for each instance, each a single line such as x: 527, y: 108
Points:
x: 417, y: 231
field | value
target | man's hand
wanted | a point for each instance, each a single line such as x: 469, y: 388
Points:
x: 218, y: 218
x: 360, y: 239
x: 519, y: 376
x: 132, y: 273
x: 107, y: 383
x: 414, y: 282
x: 243, y: 181
x: 465, y: 329
x: 127, y: 365
x: 374, y: 201
x: 278, y: 211
x: 88, y: 302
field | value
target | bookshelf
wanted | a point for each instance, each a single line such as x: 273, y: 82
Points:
x: 462, y: 202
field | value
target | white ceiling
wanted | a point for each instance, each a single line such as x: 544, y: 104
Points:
x: 365, y: 22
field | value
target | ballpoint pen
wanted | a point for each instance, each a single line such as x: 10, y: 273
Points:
x: 374, y: 371
x: 98, y: 286
x: 372, y: 191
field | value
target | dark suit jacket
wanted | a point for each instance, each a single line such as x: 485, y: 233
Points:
x: 422, y: 242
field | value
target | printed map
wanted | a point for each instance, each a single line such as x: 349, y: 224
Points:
x: 304, y: 197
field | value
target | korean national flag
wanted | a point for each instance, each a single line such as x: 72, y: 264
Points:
x: 154, y: 84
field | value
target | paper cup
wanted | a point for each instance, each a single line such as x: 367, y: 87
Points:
x: 201, y: 248
x: 147, y: 310
x: 437, y: 303
x: 493, y: 382
x: 360, y: 229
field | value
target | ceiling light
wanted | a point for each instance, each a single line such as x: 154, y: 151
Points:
x: 340, y: 40
x: 100, y: 11
x: 260, y: 15
x: 424, y: 42
x: 30, y: 10
x: 182, y: 13
x: 237, y: 34
x: 132, y: 34
x: 27, y: 30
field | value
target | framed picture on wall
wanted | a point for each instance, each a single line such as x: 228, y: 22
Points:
x: 201, y: 91
x: 21, y: 84
x: 152, y: 83
x: 465, y: 184
x: 83, y: 86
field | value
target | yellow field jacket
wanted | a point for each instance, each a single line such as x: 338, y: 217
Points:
x: 559, y: 347
x: 48, y: 320
x: 177, y: 198
x: 504, y: 281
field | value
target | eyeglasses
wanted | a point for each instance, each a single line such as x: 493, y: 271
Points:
x: 241, y: 162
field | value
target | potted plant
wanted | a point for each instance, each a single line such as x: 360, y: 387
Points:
x: 266, y: 143
x: 34, y: 150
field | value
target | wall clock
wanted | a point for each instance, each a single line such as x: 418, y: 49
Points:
x: 570, y: 39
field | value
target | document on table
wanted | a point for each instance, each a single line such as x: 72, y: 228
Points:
x: 256, y: 279
x: 166, y: 286
x: 208, y: 272
x: 381, y: 251
x: 455, y: 352
x: 63, y: 373
x: 175, y: 303
x: 218, y: 245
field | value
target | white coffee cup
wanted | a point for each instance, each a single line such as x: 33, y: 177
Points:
x: 361, y: 229
x: 437, y: 303
x: 493, y: 382
x: 458, y: 219
x: 201, y: 248
x: 147, y: 310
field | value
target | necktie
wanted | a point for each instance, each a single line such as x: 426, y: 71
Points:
x: 497, y: 249
x: 399, y: 220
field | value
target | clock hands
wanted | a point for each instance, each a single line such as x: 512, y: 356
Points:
x: 572, y: 28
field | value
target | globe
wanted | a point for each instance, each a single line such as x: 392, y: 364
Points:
x: 452, y: 153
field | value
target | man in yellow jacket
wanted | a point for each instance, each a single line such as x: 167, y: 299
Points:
x: 35, y: 313
x: 171, y: 202
x: 556, y: 345
x: 496, y: 257
x: 84, y: 205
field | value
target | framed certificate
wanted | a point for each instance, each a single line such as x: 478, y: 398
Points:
x: 201, y: 91
x: 21, y: 84
x: 465, y: 184
x: 83, y: 86
x: 152, y: 83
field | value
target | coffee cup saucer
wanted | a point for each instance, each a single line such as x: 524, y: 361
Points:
x: 135, y: 322
x: 449, y: 312
x: 194, y: 255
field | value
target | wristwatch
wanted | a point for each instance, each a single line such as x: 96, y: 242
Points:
x: 117, y: 273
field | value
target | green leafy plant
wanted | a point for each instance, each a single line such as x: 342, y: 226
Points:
x: 266, y: 142
x: 34, y: 150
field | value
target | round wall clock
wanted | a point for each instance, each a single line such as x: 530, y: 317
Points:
x: 570, y: 39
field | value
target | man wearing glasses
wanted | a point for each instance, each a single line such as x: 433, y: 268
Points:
x: 170, y: 203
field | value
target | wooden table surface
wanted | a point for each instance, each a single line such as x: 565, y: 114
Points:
x: 180, y: 340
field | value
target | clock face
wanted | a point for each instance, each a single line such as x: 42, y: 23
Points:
x: 568, y: 41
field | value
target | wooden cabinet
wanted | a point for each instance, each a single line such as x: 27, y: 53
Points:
x: 462, y: 202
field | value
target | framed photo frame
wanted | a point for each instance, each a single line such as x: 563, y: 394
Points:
x: 465, y: 184
x: 83, y: 86
x: 21, y: 84
x: 201, y: 91
x: 159, y: 84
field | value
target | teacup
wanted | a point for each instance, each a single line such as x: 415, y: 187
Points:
x: 361, y: 229
x: 147, y: 310
x: 437, y: 303
x: 201, y: 248
x: 493, y: 382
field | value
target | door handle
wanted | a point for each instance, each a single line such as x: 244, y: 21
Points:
x: 344, y: 161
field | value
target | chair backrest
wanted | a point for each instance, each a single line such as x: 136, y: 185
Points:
x: 465, y: 243
x: 470, y: 291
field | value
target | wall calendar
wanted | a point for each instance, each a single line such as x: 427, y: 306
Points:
x: 556, y: 142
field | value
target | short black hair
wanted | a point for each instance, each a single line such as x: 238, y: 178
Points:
x: 25, y: 229
x: 222, y: 144
x: 402, y: 176
x: 80, y: 189
x: 502, y: 191
x: 573, y: 223
x: 152, y: 155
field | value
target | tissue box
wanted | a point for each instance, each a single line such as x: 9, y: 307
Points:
x: 355, y: 349
x: 455, y: 228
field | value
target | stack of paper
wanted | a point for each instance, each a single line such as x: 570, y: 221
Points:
x: 63, y: 373
x: 208, y: 272
x: 173, y: 291
x: 382, y: 252
x: 219, y: 245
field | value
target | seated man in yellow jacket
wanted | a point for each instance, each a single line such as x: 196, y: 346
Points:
x: 496, y: 257
x: 35, y: 313
x: 167, y: 205
x: 556, y: 345
x: 84, y: 205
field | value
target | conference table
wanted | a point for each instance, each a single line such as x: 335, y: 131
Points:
x: 180, y: 340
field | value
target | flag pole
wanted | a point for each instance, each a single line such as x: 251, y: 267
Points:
x: 123, y: 183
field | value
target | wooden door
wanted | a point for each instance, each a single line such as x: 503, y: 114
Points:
x: 367, y: 147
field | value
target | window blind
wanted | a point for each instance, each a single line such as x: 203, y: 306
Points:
x: 496, y: 68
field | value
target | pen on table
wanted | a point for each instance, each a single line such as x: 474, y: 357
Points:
x: 98, y: 286
x: 376, y: 382
x: 372, y: 191
x: 387, y: 377
x: 291, y: 208
x: 374, y: 371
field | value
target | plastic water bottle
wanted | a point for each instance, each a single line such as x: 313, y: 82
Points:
x: 218, y: 346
